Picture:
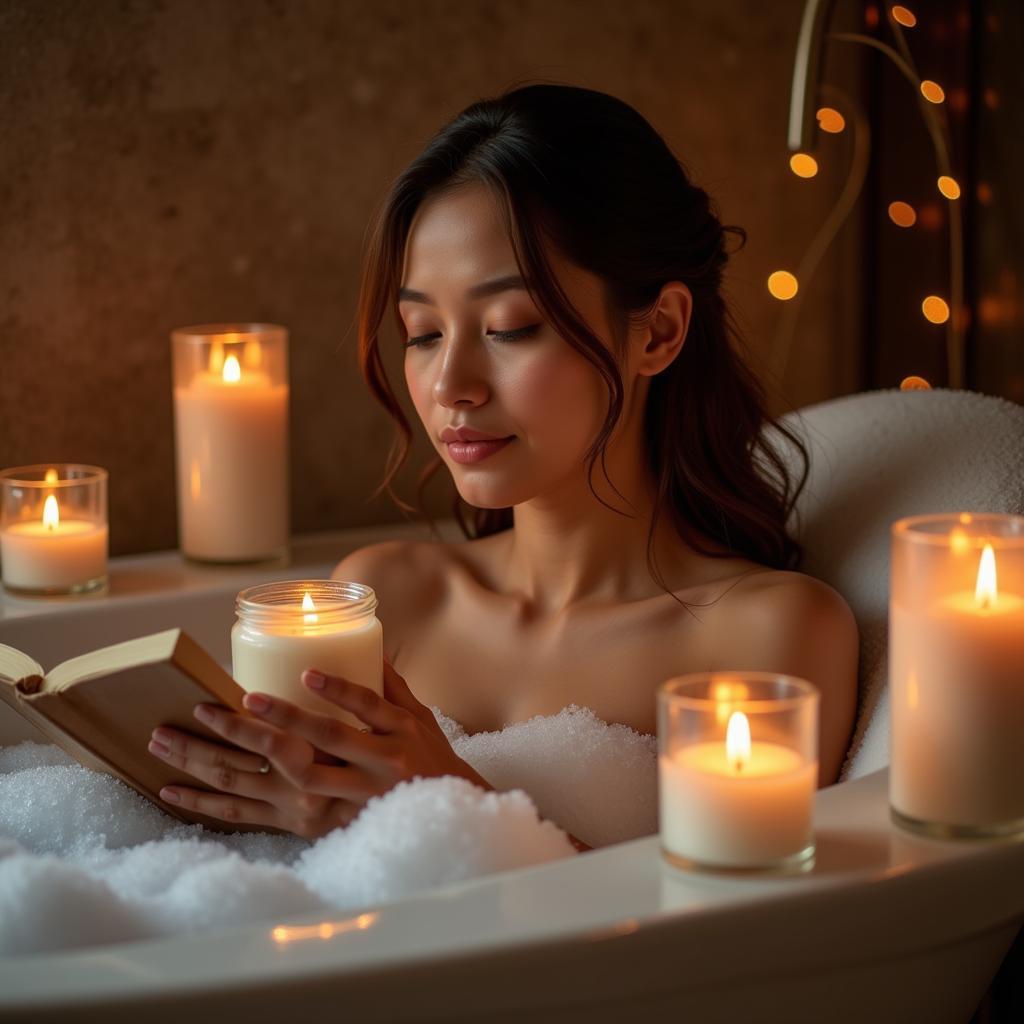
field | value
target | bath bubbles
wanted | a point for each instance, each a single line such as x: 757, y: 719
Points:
x: 85, y: 860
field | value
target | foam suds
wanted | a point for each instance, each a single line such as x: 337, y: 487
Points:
x: 85, y: 860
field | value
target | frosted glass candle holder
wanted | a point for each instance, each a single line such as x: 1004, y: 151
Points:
x: 231, y: 440
x: 285, y: 628
x: 53, y: 529
x: 956, y: 675
x: 737, y: 770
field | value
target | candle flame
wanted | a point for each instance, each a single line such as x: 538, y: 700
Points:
x: 51, y: 513
x: 737, y: 740
x: 985, y: 591
x: 232, y: 372
x: 51, y: 476
x: 308, y: 606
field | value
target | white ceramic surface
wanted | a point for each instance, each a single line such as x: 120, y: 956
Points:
x: 886, y: 927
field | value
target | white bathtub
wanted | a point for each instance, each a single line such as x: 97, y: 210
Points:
x: 887, y: 926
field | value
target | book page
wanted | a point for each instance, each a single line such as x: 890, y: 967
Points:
x: 141, y: 651
x: 15, y: 665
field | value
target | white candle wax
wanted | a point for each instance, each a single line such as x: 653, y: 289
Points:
x: 43, y: 556
x: 272, y: 658
x: 232, y: 462
x: 712, y: 812
x: 957, y: 719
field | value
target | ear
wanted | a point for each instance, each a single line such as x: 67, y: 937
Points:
x: 667, y: 326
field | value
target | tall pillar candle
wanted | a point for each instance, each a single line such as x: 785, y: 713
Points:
x: 956, y: 674
x: 231, y: 439
x: 285, y: 628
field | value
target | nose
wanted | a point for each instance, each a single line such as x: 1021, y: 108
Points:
x: 461, y: 374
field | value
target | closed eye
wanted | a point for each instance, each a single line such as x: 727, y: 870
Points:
x: 423, y: 340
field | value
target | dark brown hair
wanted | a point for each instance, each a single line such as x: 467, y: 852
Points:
x: 584, y: 172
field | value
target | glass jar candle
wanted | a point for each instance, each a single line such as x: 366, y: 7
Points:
x: 53, y: 528
x: 737, y: 770
x: 285, y: 628
x: 231, y: 440
x: 956, y: 674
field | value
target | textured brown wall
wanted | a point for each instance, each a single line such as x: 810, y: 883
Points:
x: 168, y: 163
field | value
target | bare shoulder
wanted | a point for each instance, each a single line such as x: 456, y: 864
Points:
x: 795, y: 624
x: 777, y: 599
x: 407, y: 577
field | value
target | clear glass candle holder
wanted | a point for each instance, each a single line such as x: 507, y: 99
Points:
x: 231, y: 441
x: 737, y: 770
x: 284, y: 628
x: 53, y: 529
x: 956, y: 675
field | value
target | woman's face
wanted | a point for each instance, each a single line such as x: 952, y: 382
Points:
x: 486, y: 359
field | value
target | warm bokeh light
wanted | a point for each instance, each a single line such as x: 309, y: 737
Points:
x: 949, y: 187
x: 803, y: 165
x: 903, y: 16
x: 51, y: 476
x: 914, y: 383
x: 902, y: 214
x: 830, y: 120
x: 783, y: 285
x: 984, y: 193
x: 930, y: 216
x: 932, y: 91
x: 871, y: 16
x: 935, y: 310
x: 959, y: 541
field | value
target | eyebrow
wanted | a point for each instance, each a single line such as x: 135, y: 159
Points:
x: 478, y: 291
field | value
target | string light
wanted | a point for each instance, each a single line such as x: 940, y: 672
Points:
x: 948, y: 187
x: 902, y: 214
x: 782, y: 285
x: 803, y: 165
x: 904, y: 16
x: 935, y: 310
x: 932, y: 91
x: 830, y: 120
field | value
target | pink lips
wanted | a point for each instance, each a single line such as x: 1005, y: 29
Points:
x: 474, y: 451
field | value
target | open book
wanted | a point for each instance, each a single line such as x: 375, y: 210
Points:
x: 102, y: 706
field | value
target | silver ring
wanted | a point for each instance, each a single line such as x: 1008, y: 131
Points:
x: 265, y: 767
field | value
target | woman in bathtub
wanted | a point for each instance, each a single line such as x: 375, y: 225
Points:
x: 556, y: 280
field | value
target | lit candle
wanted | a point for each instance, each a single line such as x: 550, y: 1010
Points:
x: 957, y: 675
x: 737, y: 801
x: 52, y: 552
x: 231, y: 434
x: 285, y: 628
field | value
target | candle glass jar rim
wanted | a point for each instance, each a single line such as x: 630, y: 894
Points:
x: 199, y: 333
x: 335, y: 601
x: 15, y: 476
x: 913, y: 528
x: 800, y: 691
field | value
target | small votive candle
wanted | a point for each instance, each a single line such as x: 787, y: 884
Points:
x: 285, y: 628
x: 231, y: 440
x: 53, y: 529
x: 956, y: 674
x: 737, y: 770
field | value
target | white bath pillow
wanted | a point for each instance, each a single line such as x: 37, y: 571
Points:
x: 879, y: 456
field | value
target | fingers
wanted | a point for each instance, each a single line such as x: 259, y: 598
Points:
x: 364, y: 703
x: 396, y: 690
x: 235, y: 809
x: 233, y: 771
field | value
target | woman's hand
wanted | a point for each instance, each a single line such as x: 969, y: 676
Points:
x: 321, y: 771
